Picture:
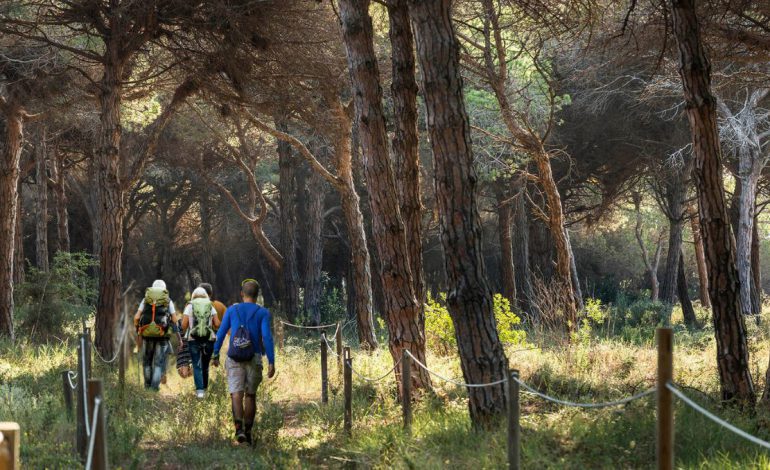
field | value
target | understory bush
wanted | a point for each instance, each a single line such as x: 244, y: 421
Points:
x: 440, y: 331
x: 47, y: 301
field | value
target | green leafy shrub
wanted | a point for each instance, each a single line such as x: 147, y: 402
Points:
x: 49, y: 300
x: 440, y: 330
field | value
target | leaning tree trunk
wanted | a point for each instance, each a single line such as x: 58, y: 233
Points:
x: 700, y: 257
x: 314, y: 247
x: 406, y: 147
x: 403, y: 313
x: 287, y: 187
x: 684, y: 296
x: 60, y: 201
x: 724, y: 285
x: 41, y: 199
x: 505, y: 236
x: 361, y: 276
x: 9, y: 181
x: 469, y: 297
x: 524, y: 298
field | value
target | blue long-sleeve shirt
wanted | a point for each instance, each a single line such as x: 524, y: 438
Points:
x: 257, y: 320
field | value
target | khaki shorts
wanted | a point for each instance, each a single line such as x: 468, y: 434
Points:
x: 244, y: 376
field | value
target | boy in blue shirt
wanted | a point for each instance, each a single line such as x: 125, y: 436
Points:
x: 244, y: 377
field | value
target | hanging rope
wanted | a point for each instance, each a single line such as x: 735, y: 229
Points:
x: 445, y: 379
x: 606, y: 404
x: 319, y: 327
x: 740, y: 432
x: 377, y: 379
x: 92, y: 440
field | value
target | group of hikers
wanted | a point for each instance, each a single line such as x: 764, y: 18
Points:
x: 202, y: 330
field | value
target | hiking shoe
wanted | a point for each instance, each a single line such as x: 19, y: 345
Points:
x: 240, y: 436
x: 248, y: 439
x: 200, y: 393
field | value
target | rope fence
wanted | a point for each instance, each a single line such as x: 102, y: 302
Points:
x: 607, y: 404
x: 687, y: 401
x: 92, y: 438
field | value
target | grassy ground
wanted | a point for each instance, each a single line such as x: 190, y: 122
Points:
x: 174, y: 430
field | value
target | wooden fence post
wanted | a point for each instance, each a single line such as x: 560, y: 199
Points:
x: 324, y: 370
x: 665, y: 399
x: 80, y: 434
x: 96, y: 390
x: 338, y: 339
x: 123, y: 359
x: 406, y: 389
x: 10, y: 442
x: 348, y: 377
x: 65, y: 379
x: 514, y: 428
x: 89, y: 364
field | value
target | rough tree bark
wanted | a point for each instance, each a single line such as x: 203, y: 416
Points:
x: 673, y: 197
x: 402, y: 311
x: 650, y: 265
x: 287, y: 187
x: 19, y: 261
x: 314, y: 247
x: 756, y: 272
x: 700, y: 257
x: 524, y: 298
x: 207, y: 261
x: 469, y: 298
x: 12, y: 129
x: 724, y: 285
x: 405, y: 145
x: 684, y: 296
x: 60, y: 200
x: 505, y: 236
x: 40, y: 154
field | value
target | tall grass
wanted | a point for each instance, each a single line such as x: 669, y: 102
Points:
x: 172, y: 429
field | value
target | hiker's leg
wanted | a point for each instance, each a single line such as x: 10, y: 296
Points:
x: 149, y: 351
x: 254, y: 378
x: 249, y: 412
x: 159, y: 362
x: 207, y: 349
x: 195, y: 356
x: 237, y: 404
x: 236, y: 381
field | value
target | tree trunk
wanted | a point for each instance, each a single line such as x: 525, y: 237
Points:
x: 577, y: 292
x: 524, y: 297
x: 505, y: 235
x: 684, y: 296
x: 405, y: 140
x: 361, y: 277
x: 287, y: 187
x: 745, y: 231
x: 41, y: 199
x: 674, y: 196
x: 60, y: 201
x: 19, y: 261
x: 403, y: 313
x: 111, y: 208
x: 207, y: 261
x: 650, y: 265
x: 314, y: 247
x: 9, y: 182
x: 469, y: 298
x: 756, y: 272
x: 700, y: 258
x: 541, y: 249
x: 724, y: 285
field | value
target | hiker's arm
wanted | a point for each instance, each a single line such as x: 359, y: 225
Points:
x: 267, y: 339
x: 221, y: 333
x: 215, y: 318
x: 185, y: 322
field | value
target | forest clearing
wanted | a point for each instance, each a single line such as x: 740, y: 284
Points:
x: 384, y: 234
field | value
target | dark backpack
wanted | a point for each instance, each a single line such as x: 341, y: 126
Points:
x: 241, y: 345
x: 155, y: 318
